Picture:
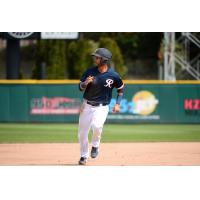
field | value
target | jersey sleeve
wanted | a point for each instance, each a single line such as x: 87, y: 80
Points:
x: 84, y: 76
x: 118, y: 83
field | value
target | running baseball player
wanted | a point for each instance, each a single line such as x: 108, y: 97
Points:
x: 97, y: 84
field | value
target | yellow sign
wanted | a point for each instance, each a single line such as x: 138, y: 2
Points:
x: 144, y: 103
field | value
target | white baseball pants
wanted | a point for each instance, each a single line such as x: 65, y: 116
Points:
x: 91, y: 117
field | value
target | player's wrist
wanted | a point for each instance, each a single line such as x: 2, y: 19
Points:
x: 119, y: 99
x: 83, y: 85
x: 86, y: 82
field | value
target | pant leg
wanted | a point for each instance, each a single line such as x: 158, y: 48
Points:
x: 85, y: 120
x: 98, y: 121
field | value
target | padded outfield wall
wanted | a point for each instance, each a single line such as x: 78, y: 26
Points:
x: 60, y: 101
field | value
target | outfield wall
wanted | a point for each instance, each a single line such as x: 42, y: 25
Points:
x: 59, y: 101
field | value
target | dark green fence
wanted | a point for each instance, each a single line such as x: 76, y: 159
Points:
x: 142, y: 103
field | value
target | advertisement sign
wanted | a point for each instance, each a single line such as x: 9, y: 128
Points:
x: 59, y: 35
x: 192, y: 107
x: 20, y: 35
x: 54, y: 106
x: 141, y: 103
x: 141, y: 106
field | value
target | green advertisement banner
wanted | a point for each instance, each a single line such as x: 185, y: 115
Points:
x: 142, y: 103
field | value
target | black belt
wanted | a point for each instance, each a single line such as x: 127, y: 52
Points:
x: 96, y: 104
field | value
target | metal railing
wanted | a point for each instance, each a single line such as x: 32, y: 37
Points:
x: 192, y: 67
x: 186, y: 66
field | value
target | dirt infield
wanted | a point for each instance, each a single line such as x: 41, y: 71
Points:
x: 111, y: 154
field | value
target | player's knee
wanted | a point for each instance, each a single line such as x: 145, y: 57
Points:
x: 97, y: 127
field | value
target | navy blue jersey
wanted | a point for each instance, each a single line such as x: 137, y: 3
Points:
x: 100, y: 90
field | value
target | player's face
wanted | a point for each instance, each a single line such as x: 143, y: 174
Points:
x: 97, y: 60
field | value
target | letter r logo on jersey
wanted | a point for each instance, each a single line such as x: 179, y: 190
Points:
x: 109, y: 83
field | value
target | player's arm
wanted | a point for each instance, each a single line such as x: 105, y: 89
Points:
x: 120, y: 92
x: 83, y: 84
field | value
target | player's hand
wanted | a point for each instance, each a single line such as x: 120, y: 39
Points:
x: 89, y: 79
x: 116, y: 108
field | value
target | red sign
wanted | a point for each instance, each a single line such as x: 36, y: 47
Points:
x: 192, y: 104
x: 55, y: 105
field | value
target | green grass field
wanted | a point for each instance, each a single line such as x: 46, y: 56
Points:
x: 50, y: 133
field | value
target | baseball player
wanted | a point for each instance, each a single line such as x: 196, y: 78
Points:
x: 97, y: 84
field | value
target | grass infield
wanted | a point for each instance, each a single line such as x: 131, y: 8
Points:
x: 67, y: 133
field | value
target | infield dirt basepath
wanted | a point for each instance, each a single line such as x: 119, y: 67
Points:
x: 111, y: 154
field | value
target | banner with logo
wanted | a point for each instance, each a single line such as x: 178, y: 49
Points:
x: 59, y: 35
x: 141, y: 103
x: 159, y: 103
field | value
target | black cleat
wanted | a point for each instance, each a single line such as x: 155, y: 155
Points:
x: 94, y: 152
x: 82, y: 161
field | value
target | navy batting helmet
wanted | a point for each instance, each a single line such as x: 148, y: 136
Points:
x: 104, y: 54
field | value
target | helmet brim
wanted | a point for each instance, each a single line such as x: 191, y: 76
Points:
x: 96, y: 55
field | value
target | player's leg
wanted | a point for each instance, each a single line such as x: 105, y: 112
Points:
x: 85, y: 120
x: 98, y: 121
